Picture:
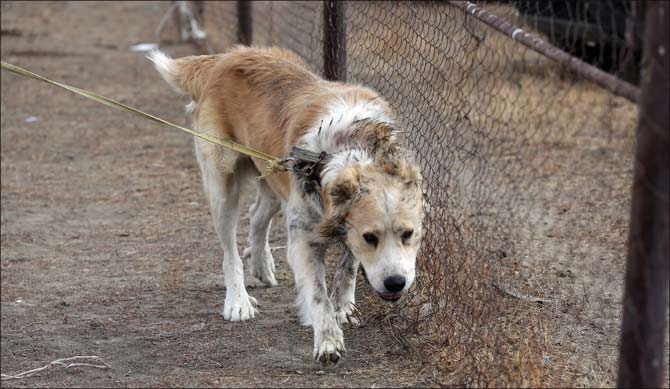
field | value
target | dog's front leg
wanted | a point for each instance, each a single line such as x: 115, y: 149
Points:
x: 344, y: 288
x: 306, y: 255
x: 316, y: 308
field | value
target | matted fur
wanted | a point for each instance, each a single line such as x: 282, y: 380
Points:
x: 367, y: 200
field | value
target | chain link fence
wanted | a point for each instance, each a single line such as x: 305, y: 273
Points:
x: 527, y: 157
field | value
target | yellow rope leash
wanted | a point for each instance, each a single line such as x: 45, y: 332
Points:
x: 274, y: 164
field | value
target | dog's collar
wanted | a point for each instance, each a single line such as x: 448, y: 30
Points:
x: 307, y: 165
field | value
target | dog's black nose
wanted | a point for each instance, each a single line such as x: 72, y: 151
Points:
x: 394, y: 284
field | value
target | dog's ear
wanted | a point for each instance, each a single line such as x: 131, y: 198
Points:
x: 410, y: 173
x: 400, y: 166
x: 380, y: 135
x: 338, y: 198
x: 345, y: 186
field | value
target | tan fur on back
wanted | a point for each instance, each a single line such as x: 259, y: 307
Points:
x: 265, y: 98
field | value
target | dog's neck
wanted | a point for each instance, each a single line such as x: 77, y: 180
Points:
x: 347, y: 125
x: 351, y: 133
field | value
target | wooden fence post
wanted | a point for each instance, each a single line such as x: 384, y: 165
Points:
x: 334, y: 41
x: 643, y: 330
x: 244, y: 31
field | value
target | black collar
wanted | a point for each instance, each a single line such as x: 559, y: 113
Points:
x: 307, y: 166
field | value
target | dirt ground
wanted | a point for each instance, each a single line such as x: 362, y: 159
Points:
x: 108, y: 248
x: 107, y: 244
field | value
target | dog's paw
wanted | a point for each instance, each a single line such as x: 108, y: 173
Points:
x: 329, y: 349
x: 262, y: 268
x: 267, y: 277
x: 345, y: 315
x: 239, y: 306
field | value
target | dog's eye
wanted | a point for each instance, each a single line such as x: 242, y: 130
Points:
x: 406, y: 235
x: 371, y: 238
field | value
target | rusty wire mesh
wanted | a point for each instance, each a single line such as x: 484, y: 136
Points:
x: 527, y: 170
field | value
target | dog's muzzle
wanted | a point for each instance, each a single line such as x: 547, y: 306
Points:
x: 393, y: 297
x: 388, y: 296
x: 394, y: 286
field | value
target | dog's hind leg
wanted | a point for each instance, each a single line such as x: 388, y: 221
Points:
x: 223, y: 172
x: 260, y: 261
x: 344, y: 288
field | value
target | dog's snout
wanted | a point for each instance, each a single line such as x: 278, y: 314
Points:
x: 394, y: 284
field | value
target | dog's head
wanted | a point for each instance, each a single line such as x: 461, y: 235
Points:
x: 376, y: 209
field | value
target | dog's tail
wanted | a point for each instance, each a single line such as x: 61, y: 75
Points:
x: 186, y: 75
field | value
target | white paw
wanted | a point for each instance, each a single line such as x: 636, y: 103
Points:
x: 328, y: 347
x: 345, y: 315
x: 267, y: 277
x: 239, y: 306
x: 262, y: 269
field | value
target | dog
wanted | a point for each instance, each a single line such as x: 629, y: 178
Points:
x: 364, y: 198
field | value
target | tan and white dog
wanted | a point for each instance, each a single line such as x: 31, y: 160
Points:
x: 366, y: 198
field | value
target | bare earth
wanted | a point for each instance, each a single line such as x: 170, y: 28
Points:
x: 107, y: 244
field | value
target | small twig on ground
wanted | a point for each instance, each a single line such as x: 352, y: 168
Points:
x: 60, y: 362
x: 520, y: 296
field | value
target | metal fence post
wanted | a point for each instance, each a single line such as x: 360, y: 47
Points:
x: 334, y: 41
x: 641, y: 358
x: 244, y: 31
